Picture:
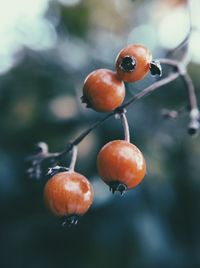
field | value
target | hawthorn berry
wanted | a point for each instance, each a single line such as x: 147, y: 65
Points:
x: 134, y: 62
x: 68, y: 195
x: 121, y: 165
x: 103, y: 91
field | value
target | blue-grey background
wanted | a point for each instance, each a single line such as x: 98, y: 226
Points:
x: 46, y: 50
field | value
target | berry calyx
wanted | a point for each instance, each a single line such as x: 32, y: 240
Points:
x: 155, y: 68
x: 128, y: 64
x: 133, y: 63
x: 116, y: 186
x: 121, y: 165
x: 103, y: 91
x: 193, y: 127
x: 69, y: 220
x: 56, y: 169
x: 68, y: 195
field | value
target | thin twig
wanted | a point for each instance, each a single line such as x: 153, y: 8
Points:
x: 148, y: 90
x: 39, y: 158
x: 191, y: 92
x: 138, y: 96
x: 151, y: 88
x: 74, y: 158
x: 182, y: 69
x: 194, y: 111
x: 95, y: 125
x: 125, y: 127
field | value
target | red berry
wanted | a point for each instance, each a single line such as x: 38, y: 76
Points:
x: 133, y: 63
x: 68, y: 193
x: 103, y: 91
x: 121, y: 165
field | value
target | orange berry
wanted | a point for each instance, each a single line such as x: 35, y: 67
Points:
x: 103, y: 91
x: 68, y: 194
x: 121, y: 165
x: 133, y: 63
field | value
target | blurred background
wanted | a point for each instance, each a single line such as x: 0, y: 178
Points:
x: 46, y: 50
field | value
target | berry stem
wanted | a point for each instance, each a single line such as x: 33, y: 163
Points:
x: 151, y: 88
x: 39, y: 158
x: 74, y: 158
x: 136, y: 97
x: 125, y: 127
x: 194, y: 114
x: 191, y: 92
x: 182, y: 68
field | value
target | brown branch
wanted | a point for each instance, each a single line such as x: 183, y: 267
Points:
x: 37, y: 159
x: 179, y: 70
x: 151, y: 88
x: 138, y: 96
x: 191, y: 91
x: 194, y: 125
x: 182, y: 69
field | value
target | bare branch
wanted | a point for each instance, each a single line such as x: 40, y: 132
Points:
x: 179, y: 70
x: 138, y: 96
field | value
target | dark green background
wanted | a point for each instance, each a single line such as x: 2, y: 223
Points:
x: 154, y: 225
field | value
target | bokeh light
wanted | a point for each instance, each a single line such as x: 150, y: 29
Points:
x: 23, y: 23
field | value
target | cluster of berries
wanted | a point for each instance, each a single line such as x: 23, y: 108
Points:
x: 104, y: 89
x: 120, y: 164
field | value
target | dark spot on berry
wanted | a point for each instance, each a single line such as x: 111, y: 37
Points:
x: 128, y: 64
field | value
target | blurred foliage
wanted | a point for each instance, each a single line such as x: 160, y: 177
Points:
x: 156, y: 224
x: 75, y: 19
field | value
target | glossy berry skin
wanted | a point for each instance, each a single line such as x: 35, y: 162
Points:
x: 133, y: 63
x: 121, y: 163
x: 103, y: 91
x: 68, y: 193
